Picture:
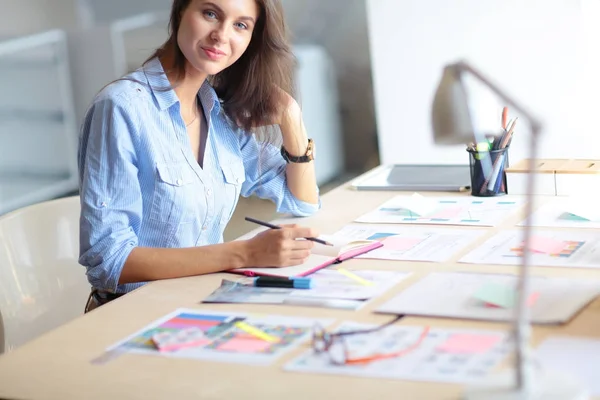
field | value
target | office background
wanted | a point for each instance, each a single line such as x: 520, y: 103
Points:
x: 543, y: 51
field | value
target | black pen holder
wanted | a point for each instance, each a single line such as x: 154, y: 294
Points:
x: 488, y: 172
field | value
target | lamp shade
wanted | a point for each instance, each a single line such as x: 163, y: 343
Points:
x: 450, y: 117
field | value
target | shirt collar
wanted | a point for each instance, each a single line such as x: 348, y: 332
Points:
x: 165, y: 96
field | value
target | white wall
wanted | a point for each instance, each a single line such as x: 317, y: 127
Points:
x: 23, y: 17
x: 341, y: 27
x: 535, y: 49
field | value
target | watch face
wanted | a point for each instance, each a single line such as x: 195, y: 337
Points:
x: 311, y: 151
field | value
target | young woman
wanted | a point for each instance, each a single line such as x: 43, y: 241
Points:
x: 166, y: 151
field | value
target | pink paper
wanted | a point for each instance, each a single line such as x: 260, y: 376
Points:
x: 541, y: 244
x: 245, y: 345
x: 400, y: 243
x: 447, y: 213
x: 467, y: 343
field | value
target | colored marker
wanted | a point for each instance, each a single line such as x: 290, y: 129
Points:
x: 279, y: 282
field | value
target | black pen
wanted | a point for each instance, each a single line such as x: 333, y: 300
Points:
x: 268, y: 225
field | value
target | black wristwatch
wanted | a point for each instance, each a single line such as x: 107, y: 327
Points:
x: 308, y: 156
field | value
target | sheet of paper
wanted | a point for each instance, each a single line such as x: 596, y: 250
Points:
x: 444, y: 355
x: 455, y: 210
x: 226, y: 341
x: 329, y: 284
x: 581, y: 249
x: 458, y: 295
x: 578, y: 357
x: 406, y: 243
x: 340, y: 244
x: 567, y: 212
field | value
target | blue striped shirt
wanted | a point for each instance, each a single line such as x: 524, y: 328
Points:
x: 141, y: 185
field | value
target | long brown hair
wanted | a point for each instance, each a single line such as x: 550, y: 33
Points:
x: 248, y: 89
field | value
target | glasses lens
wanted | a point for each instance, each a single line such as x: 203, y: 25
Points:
x: 338, y: 351
x: 319, y: 340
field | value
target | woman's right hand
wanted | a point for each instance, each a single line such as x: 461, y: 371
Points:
x: 280, y: 247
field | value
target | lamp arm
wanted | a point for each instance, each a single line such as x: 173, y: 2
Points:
x: 462, y: 66
x: 521, y: 328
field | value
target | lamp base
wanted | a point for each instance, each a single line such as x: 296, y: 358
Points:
x: 545, y: 385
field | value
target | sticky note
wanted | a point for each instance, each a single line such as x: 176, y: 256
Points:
x: 468, y: 343
x: 245, y: 345
x: 179, y: 339
x: 501, y: 296
x: 418, y: 205
x: 545, y: 245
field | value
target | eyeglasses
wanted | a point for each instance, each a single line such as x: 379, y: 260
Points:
x: 336, y: 346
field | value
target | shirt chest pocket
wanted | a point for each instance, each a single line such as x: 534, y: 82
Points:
x: 175, y: 194
x: 233, y: 177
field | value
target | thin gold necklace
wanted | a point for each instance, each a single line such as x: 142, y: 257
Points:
x: 195, y: 116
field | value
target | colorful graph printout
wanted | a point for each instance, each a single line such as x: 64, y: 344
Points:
x: 549, y: 248
x: 229, y: 337
x: 411, y: 243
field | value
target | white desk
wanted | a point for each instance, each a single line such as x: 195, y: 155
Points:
x: 57, y: 365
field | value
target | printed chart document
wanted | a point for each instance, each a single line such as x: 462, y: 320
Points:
x: 578, y: 357
x: 444, y: 355
x: 455, y: 210
x: 567, y: 212
x: 227, y: 337
x: 410, y: 243
x: 322, y: 256
x: 332, y: 288
x: 492, y: 297
x: 548, y: 249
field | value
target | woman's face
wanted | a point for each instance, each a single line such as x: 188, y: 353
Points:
x: 215, y: 33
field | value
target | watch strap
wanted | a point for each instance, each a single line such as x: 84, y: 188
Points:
x: 307, y: 157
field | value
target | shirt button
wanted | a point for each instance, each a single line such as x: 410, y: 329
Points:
x: 204, y: 228
x: 208, y: 192
x: 237, y: 180
x: 179, y: 182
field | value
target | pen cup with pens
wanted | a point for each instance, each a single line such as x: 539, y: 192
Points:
x: 488, y: 171
x: 488, y: 161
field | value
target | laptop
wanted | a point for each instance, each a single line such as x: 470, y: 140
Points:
x: 438, y: 178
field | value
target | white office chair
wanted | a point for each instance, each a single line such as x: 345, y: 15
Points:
x: 42, y: 285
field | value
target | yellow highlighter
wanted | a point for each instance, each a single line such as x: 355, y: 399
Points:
x: 256, y: 332
x: 482, y: 149
x: 355, y: 277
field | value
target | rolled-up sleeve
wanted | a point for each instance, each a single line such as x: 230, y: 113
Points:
x: 111, y: 202
x: 266, y: 178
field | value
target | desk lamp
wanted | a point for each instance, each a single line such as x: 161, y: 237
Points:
x: 452, y: 124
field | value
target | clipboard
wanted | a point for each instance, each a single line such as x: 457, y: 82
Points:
x: 416, y: 177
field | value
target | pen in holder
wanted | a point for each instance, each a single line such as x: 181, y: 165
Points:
x: 488, y: 172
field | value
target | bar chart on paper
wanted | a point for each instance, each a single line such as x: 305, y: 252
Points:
x: 445, y: 355
x: 567, y: 212
x: 228, y: 337
x: 491, y: 297
x: 548, y: 249
x: 410, y: 243
x: 457, y: 210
